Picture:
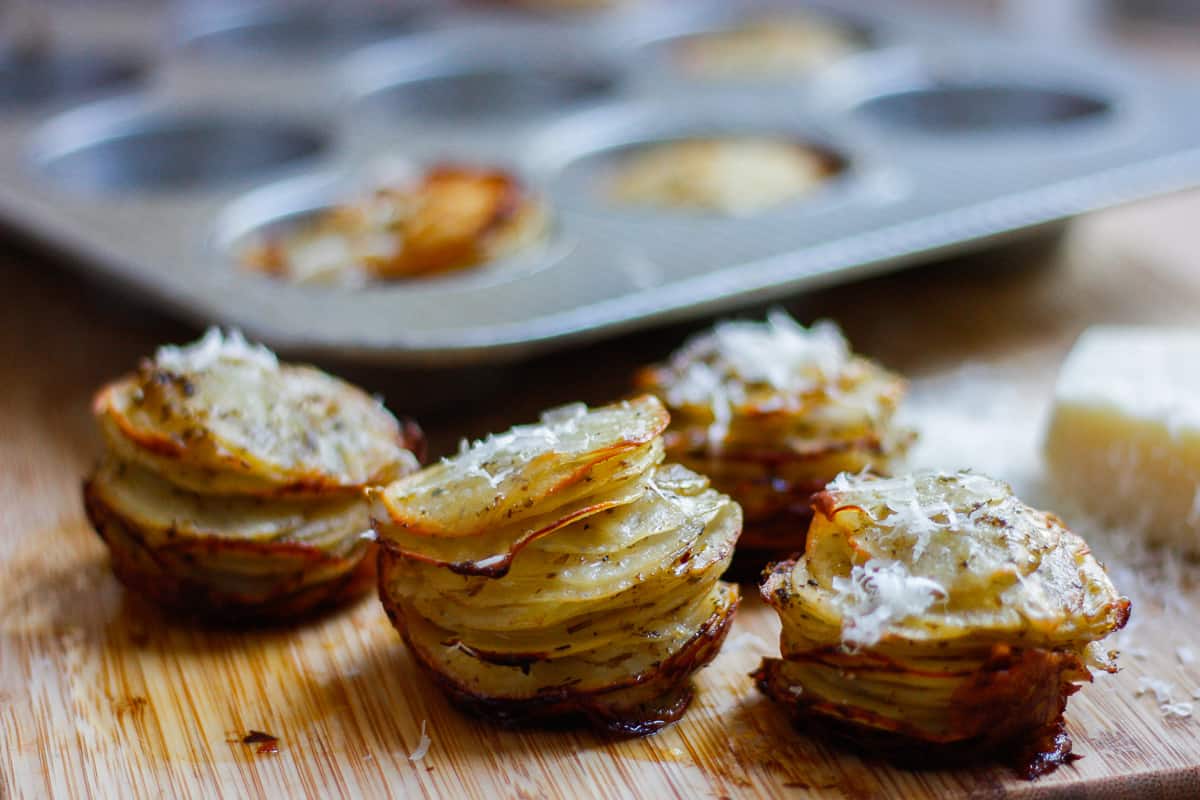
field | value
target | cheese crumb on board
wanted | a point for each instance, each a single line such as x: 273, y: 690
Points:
x: 1124, y: 436
x: 422, y: 745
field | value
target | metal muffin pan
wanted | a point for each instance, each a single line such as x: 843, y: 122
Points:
x: 206, y: 129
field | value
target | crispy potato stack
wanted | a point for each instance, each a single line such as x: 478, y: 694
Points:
x: 233, y: 485
x: 772, y: 47
x: 773, y: 411
x: 736, y: 175
x: 454, y: 217
x: 558, y: 569
x: 939, y: 618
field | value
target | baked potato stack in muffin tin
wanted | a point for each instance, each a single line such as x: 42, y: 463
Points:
x: 780, y: 46
x: 453, y: 218
x: 233, y: 485
x: 773, y: 411
x: 560, y: 570
x: 731, y: 175
x: 938, y: 618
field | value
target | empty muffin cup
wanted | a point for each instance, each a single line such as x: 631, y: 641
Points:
x: 35, y: 78
x: 971, y: 108
x: 178, y: 151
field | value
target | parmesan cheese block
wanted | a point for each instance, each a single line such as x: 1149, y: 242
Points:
x: 1124, y: 437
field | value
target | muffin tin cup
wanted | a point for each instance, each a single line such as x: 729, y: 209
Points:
x: 945, y: 138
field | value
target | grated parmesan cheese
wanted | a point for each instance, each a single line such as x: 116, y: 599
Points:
x: 1182, y: 710
x: 715, y: 367
x: 911, y: 514
x: 422, y: 745
x: 212, y: 347
x: 877, y: 594
x: 1159, y: 688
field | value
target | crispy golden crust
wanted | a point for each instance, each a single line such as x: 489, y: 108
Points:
x: 453, y: 218
x: 158, y: 419
x: 1010, y: 709
x: 288, y: 580
x: 638, y: 705
x: 458, y: 499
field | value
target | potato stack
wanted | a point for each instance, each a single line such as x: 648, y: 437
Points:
x: 773, y: 411
x: 452, y: 217
x: 938, y: 618
x: 560, y: 570
x: 233, y: 485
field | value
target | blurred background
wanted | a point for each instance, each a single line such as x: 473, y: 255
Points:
x: 422, y: 184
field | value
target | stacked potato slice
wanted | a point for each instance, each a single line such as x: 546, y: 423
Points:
x: 938, y: 616
x: 233, y: 484
x: 559, y: 569
x: 772, y: 412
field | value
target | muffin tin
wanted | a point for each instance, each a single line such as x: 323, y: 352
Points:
x: 150, y: 143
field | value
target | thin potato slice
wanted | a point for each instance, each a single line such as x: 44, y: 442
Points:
x: 663, y: 535
x: 655, y: 642
x: 164, y: 513
x: 527, y: 471
x: 231, y: 581
x: 222, y: 417
x: 552, y: 611
x: 927, y: 608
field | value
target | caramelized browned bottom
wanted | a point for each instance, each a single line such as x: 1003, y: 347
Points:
x: 1010, y: 711
x: 604, y: 709
x: 155, y: 574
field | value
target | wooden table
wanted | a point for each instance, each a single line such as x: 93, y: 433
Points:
x: 102, y: 696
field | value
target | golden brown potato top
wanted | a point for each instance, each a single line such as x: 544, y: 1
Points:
x: 221, y: 411
x: 452, y: 217
x: 735, y: 175
x: 780, y: 46
x: 526, y: 472
x: 941, y: 557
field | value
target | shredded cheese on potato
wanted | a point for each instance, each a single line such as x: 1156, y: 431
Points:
x: 214, y: 346
x: 716, y: 367
x: 878, y: 593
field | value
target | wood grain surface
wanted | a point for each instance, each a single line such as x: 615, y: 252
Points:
x: 102, y: 696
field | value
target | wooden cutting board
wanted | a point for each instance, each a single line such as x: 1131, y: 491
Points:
x: 102, y: 696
